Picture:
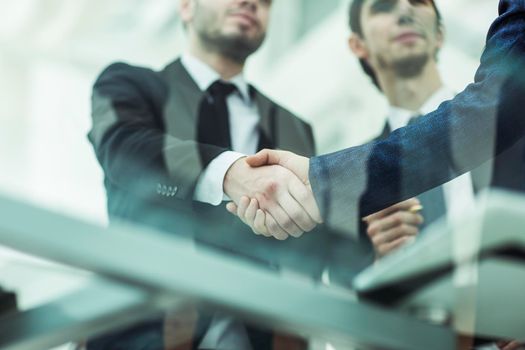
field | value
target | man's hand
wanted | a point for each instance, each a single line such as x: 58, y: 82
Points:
x: 291, y: 161
x: 248, y: 212
x: 393, y: 227
x: 288, y: 203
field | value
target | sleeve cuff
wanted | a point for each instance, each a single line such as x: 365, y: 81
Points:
x: 209, y: 187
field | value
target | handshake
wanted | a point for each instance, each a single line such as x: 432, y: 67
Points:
x: 271, y: 193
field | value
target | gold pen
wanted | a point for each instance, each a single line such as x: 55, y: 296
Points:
x: 415, y: 208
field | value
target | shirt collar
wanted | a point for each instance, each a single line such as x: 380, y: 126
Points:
x: 399, y: 117
x: 204, y: 76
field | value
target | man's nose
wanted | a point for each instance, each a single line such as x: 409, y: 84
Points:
x: 405, y: 11
x: 405, y: 7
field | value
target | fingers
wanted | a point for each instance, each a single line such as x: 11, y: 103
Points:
x: 244, y: 202
x: 283, y: 218
x: 395, y: 234
x: 259, y: 224
x: 291, y: 203
x: 274, y: 229
x: 388, y: 233
x: 289, y: 207
x: 296, y: 164
x: 397, y: 219
x: 296, y: 213
x: 305, y: 197
x: 250, y: 212
x: 232, y: 208
x: 385, y: 249
x: 403, y: 206
x: 264, y: 157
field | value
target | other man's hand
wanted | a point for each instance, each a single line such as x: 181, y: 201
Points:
x: 287, y: 202
x: 248, y: 212
x: 297, y: 164
x: 393, y: 227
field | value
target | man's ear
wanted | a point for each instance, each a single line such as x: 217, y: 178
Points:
x: 357, y: 46
x: 186, y: 10
x: 440, y: 37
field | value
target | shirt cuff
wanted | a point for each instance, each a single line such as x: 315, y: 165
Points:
x: 209, y: 187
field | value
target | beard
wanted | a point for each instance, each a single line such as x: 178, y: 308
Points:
x: 408, y: 67
x: 234, y: 46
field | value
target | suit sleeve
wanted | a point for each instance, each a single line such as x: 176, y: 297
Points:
x: 481, y: 122
x: 130, y: 143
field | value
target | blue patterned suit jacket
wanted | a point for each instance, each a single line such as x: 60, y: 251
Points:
x: 480, y: 122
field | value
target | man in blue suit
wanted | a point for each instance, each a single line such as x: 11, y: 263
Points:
x: 397, y: 44
x: 479, y: 123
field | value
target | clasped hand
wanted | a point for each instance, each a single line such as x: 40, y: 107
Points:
x: 271, y: 194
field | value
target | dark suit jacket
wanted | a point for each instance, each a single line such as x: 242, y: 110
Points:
x: 505, y: 171
x: 144, y: 135
x: 483, y: 120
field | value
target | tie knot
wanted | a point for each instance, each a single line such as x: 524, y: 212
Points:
x: 221, y: 89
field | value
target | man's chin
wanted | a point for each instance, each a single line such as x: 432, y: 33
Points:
x: 237, y: 47
x: 411, y: 66
x: 243, y: 40
x: 245, y: 35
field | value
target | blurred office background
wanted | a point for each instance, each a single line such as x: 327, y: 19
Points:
x: 52, y: 50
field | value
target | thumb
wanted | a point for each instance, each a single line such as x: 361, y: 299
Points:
x: 264, y: 157
x: 232, y: 208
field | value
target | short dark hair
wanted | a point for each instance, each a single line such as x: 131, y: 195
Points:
x: 356, y: 7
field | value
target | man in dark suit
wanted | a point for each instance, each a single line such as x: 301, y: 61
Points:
x: 172, y: 146
x: 479, y: 123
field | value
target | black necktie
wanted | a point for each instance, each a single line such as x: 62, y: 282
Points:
x: 213, y: 126
x: 433, y: 201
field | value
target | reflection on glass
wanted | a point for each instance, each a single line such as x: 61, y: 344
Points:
x: 168, y: 132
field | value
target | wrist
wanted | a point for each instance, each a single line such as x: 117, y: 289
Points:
x: 306, y: 176
x: 232, y: 185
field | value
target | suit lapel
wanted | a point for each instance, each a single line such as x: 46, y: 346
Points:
x: 267, y: 123
x: 184, y: 99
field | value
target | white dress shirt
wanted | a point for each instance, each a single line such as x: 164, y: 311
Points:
x: 244, y: 119
x: 458, y: 193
